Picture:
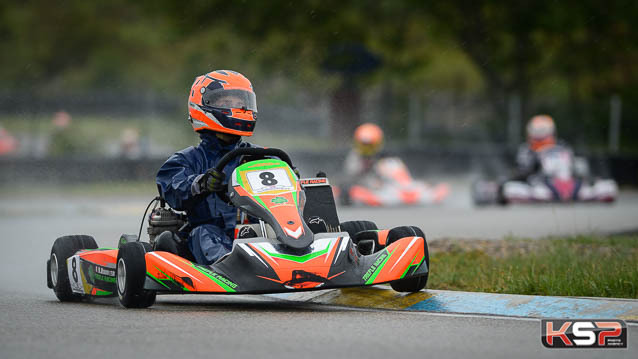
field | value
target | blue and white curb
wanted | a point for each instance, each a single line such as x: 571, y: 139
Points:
x: 527, y: 306
x: 441, y: 301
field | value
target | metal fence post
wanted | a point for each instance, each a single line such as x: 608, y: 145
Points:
x: 514, y: 121
x: 415, y: 116
x: 615, y: 114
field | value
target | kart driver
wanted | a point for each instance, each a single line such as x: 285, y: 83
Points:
x: 368, y: 142
x: 360, y: 161
x: 541, y: 134
x: 221, y: 108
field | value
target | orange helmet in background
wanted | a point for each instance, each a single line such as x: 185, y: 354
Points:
x: 223, y: 101
x: 368, y: 139
x: 541, y: 132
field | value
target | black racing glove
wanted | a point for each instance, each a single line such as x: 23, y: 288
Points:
x: 296, y: 171
x: 211, y: 181
x: 214, y: 180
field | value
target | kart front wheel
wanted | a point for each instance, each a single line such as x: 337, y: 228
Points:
x: 131, y: 274
x: 57, y: 274
x: 412, y: 284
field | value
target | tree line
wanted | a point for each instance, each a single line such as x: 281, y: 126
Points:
x: 578, y: 51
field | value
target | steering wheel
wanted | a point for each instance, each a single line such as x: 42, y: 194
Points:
x: 252, y: 151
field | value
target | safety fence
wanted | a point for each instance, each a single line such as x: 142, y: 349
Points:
x: 487, y: 162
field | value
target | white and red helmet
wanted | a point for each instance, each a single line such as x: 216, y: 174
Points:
x: 541, y: 132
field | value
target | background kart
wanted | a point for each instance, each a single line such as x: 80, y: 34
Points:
x: 556, y: 182
x: 285, y: 256
x: 389, y: 183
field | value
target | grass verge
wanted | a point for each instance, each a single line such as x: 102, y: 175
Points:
x: 590, y: 266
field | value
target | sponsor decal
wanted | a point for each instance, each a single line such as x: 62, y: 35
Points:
x: 171, y: 282
x: 375, y: 265
x: 105, y: 271
x: 98, y: 273
x: 224, y: 280
x: 279, y: 200
x: 217, y: 277
x: 313, y: 182
x: 246, y: 232
x: 304, y: 279
x: 583, y: 333
x: 316, y: 220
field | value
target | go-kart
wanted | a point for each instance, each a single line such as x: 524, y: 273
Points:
x: 389, y: 183
x: 556, y: 182
x: 300, y: 245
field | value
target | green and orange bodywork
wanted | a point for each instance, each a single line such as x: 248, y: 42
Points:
x: 296, y: 259
x: 92, y: 272
x: 259, y: 266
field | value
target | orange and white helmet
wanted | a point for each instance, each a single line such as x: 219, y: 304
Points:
x: 368, y: 139
x: 541, y: 132
x: 223, y: 101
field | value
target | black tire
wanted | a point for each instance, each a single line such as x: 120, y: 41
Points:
x: 131, y: 274
x: 354, y: 227
x: 413, y: 284
x: 58, y: 275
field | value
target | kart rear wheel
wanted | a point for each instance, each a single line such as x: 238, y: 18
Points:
x: 354, y: 227
x: 412, y: 284
x: 58, y: 276
x: 131, y: 274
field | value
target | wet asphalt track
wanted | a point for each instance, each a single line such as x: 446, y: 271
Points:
x: 34, y: 325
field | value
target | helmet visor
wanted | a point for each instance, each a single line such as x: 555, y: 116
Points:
x: 233, y: 123
x: 540, y: 130
x: 222, y: 98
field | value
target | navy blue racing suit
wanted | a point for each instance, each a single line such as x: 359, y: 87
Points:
x: 213, y: 220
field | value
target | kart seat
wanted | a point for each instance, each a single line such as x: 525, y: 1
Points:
x: 168, y: 241
x: 320, y: 211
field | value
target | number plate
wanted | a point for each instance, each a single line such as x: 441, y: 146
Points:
x: 276, y: 179
x: 75, y: 274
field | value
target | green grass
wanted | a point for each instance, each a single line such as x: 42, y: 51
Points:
x: 578, y: 266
